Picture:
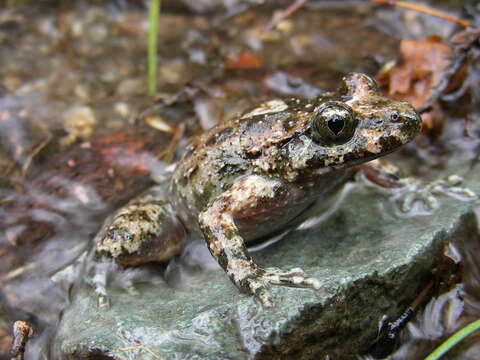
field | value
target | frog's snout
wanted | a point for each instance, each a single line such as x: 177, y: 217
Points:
x: 412, y: 122
x: 406, y: 120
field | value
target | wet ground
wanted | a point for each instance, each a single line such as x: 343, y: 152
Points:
x: 78, y: 135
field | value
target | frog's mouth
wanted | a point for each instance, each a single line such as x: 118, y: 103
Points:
x: 370, y: 143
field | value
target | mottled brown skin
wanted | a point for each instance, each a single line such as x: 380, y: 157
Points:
x: 251, y: 176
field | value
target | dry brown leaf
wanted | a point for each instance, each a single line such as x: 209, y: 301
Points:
x: 245, y: 60
x: 422, y: 67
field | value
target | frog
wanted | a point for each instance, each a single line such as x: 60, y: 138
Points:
x: 256, y: 174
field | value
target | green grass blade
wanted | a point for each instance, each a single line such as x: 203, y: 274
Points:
x: 154, y: 14
x: 454, y: 340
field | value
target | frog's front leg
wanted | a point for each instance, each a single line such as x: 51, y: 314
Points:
x: 253, y: 202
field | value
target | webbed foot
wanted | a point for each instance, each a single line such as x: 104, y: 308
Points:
x: 412, y: 197
x: 416, y: 197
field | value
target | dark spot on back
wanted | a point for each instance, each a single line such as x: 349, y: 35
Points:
x: 253, y: 152
x: 254, y: 125
x: 143, y: 215
x: 288, y: 123
x: 218, y: 137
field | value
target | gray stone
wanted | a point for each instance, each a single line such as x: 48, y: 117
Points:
x: 371, y: 263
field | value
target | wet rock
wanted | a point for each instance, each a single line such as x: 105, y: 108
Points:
x: 371, y: 263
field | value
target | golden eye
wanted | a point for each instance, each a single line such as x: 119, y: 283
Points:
x: 333, y: 123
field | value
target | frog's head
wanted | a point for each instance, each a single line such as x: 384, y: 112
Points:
x: 360, y: 125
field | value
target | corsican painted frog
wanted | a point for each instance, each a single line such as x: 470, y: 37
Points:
x: 253, y: 175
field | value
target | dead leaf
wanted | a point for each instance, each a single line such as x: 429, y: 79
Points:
x: 245, y: 60
x: 420, y: 70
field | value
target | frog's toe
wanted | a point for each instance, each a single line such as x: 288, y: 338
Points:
x: 431, y: 202
x: 103, y: 302
x: 459, y: 192
x: 465, y: 193
x: 258, y: 287
x: 294, y: 278
x: 417, y: 200
x: 452, y: 186
x: 132, y: 290
x: 265, y: 298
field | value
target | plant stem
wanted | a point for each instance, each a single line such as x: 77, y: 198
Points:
x: 154, y: 14
x: 454, y: 340
x: 425, y: 10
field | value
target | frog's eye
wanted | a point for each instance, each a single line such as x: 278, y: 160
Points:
x: 333, y: 123
x: 394, y: 116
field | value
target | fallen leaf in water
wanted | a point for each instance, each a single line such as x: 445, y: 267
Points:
x: 244, y: 61
x: 420, y: 70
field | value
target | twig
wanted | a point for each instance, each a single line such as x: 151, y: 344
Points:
x: 17, y: 272
x: 168, y: 154
x: 34, y: 153
x: 284, y: 14
x: 22, y: 331
x: 425, y: 10
x: 7, y: 199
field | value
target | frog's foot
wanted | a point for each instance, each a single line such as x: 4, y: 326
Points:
x: 259, y: 284
x: 415, y: 197
x: 412, y: 197
x: 253, y: 198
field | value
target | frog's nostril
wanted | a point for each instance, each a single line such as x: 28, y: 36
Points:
x: 414, y: 118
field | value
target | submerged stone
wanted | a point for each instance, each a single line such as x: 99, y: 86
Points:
x: 371, y: 263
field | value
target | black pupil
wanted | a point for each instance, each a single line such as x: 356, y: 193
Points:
x: 336, y: 124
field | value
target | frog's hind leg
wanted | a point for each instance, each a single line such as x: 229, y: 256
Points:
x: 251, y: 199
x: 144, y: 230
